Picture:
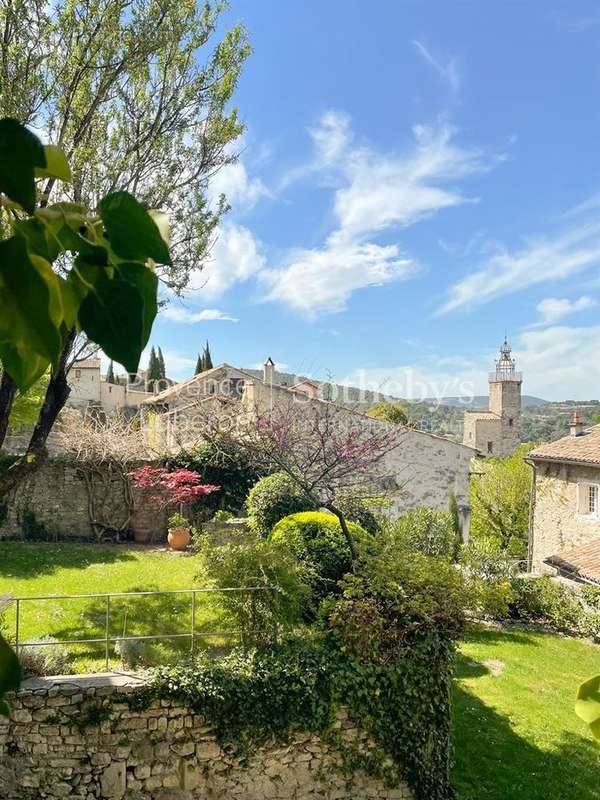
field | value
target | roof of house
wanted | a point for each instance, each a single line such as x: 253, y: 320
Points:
x: 484, y: 414
x: 583, y: 449
x: 174, y: 391
x: 87, y: 363
x: 582, y: 561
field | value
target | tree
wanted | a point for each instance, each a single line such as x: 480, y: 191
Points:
x: 110, y: 375
x: 137, y: 95
x: 199, y: 364
x: 395, y: 413
x: 153, y: 371
x: 206, y: 358
x: 500, y: 499
x: 327, y: 450
x: 162, y: 375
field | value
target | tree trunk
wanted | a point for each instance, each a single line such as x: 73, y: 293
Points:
x: 57, y: 392
x: 8, y: 390
x: 344, y: 526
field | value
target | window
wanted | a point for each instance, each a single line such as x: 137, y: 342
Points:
x: 510, y: 422
x: 490, y: 447
x: 78, y: 373
x: 589, y: 499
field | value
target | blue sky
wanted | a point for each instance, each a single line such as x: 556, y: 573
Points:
x: 416, y: 177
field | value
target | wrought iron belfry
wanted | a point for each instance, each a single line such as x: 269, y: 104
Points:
x: 506, y: 365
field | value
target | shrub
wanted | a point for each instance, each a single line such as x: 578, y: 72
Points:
x: 424, y: 531
x: 44, y: 659
x: 316, y: 539
x: 545, y: 600
x: 225, y: 465
x: 591, y: 596
x: 272, y: 499
x: 222, y: 515
x: 355, y: 509
x: 486, y: 560
x: 253, y: 562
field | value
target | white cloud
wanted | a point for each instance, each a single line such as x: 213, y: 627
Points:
x: 331, y: 137
x: 554, y: 309
x: 448, y: 73
x: 540, y: 261
x: 180, y: 314
x: 561, y: 362
x: 322, y: 280
x: 235, y: 258
x: 241, y: 191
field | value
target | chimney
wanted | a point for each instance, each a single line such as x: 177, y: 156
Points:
x: 269, y: 371
x: 576, y: 424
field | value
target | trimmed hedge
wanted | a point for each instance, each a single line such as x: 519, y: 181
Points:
x: 272, y: 499
x: 316, y: 539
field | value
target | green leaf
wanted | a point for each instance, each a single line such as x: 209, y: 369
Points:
x: 146, y: 282
x: 112, y: 314
x: 57, y: 165
x: 587, y: 705
x: 22, y: 363
x: 37, y: 238
x: 131, y: 231
x: 30, y: 306
x: 10, y: 673
x: 20, y: 153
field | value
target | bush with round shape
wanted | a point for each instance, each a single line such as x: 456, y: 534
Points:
x: 316, y: 539
x: 271, y: 499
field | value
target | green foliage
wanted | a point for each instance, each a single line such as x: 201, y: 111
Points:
x: 500, y: 501
x: 485, y: 560
x: 425, y: 531
x: 587, y: 705
x: 26, y: 406
x: 177, y: 520
x: 316, y: 539
x: 46, y: 657
x: 395, y: 413
x: 222, y: 515
x: 272, y: 499
x: 10, y: 674
x: 110, y: 375
x: 274, y: 593
x: 591, y: 596
x: 363, y: 512
x: 544, y: 600
x: 108, y: 294
x: 222, y: 464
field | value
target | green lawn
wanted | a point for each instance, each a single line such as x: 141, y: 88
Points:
x: 28, y: 569
x: 515, y: 733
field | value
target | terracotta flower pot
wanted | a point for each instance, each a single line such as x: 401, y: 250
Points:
x: 179, y: 538
x: 141, y: 534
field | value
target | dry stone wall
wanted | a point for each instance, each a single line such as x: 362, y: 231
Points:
x: 78, y: 737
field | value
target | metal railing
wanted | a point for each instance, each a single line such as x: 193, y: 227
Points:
x: 107, y: 640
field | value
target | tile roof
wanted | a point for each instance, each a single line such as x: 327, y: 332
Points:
x: 582, y: 561
x: 584, y: 449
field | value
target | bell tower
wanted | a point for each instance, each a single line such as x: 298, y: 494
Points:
x: 505, y: 400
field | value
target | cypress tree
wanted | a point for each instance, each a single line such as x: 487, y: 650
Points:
x: 152, y: 372
x: 162, y: 375
x: 199, y: 365
x: 110, y: 375
x: 207, y: 359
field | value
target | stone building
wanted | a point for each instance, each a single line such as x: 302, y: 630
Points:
x: 423, y: 470
x: 90, y: 387
x: 497, y: 430
x: 564, y: 534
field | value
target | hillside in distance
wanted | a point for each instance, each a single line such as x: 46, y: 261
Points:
x: 481, y: 401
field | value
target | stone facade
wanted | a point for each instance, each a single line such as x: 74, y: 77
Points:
x: 52, y: 503
x: 79, y: 738
x: 559, y: 522
x: 88, y: 386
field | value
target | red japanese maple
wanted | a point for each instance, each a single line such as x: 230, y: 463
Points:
x: 171, y: 487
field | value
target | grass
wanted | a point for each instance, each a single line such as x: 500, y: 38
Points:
x: 28, y: 569
x: 515, y: 732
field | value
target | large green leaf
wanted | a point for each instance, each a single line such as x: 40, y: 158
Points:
x: 57, y: 165
x: 30, y: 304
x: 20, y: 153
x: 146, y: 282
x: 37, y: 237
x: 587, y: 705
x: 131, y: 231
x: 112, y: 314
x: 22, y: 363
x: 10, y: 673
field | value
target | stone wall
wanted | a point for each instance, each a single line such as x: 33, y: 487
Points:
x: 77, y: 737
x: 53, y: 503
x: 557, y: 524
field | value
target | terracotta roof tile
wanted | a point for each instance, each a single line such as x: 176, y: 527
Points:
x: 584, y: 448
x: 583, y: 560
